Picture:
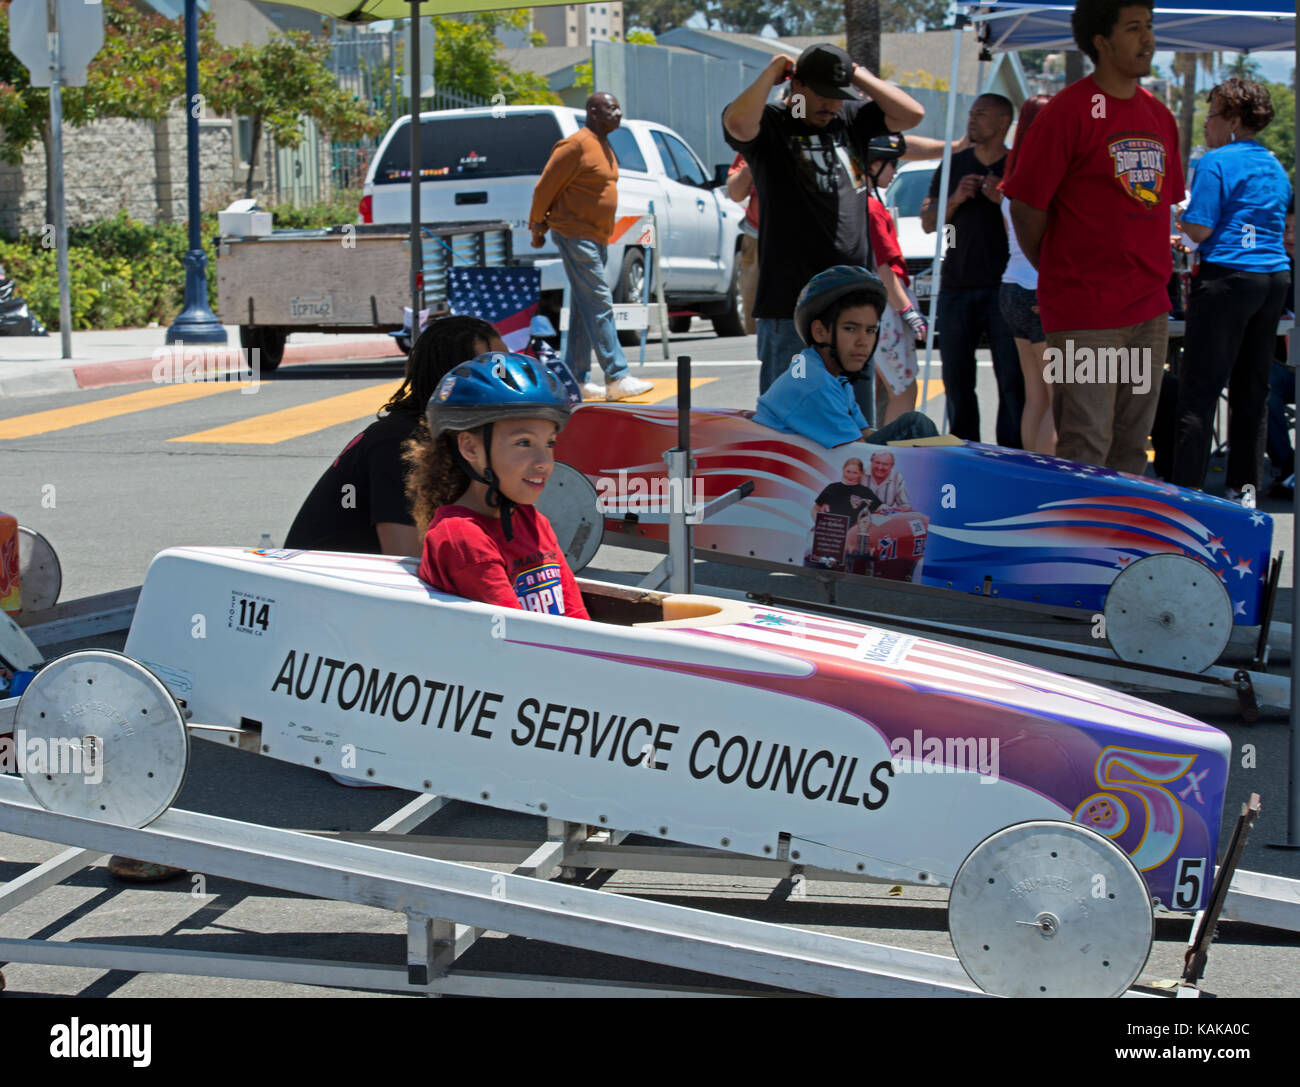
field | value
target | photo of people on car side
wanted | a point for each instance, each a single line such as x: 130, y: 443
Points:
x: 867, y: 525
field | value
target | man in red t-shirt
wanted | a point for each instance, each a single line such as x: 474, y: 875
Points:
x: 1090, y: 197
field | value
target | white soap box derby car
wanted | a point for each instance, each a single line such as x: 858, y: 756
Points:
x: 707, y: 721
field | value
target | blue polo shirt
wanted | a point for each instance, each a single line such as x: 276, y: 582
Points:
x: 807, y: 400
x: 1241, y: 190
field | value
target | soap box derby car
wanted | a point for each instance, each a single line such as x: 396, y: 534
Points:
x: 940, y: 513
x: 707, y: 721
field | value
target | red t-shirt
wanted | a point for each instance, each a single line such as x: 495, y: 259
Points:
x: 1106, y: 170
x: 467, y: 554
x: 884, y: 239
x: 751, y: 210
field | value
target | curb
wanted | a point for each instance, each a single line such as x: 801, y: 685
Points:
x: 217, y: 358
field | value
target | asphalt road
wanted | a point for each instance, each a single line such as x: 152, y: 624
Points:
x: 111, y: 491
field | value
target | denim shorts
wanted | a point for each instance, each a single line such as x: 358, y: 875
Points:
x: 1017, y: 306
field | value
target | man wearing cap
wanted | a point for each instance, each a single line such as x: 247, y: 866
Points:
x: 808, y: 157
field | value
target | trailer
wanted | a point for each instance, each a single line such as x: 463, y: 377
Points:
x: 345, y: 279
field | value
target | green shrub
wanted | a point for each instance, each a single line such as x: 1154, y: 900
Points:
x: 127, y: 274
x: 122, y: 273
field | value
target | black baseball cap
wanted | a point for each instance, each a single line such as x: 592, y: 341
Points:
x: 828, y: 70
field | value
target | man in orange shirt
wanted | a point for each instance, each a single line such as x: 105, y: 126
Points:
x: 576, y: 198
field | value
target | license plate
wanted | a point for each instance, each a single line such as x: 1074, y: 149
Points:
x: 319, y: 306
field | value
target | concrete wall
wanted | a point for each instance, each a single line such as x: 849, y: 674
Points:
x: 116, y: 164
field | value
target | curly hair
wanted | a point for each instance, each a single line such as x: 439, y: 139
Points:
x: 1092, y: 17
x: 1248, y: 102
x: 434, y: 476
x: 442, y: 346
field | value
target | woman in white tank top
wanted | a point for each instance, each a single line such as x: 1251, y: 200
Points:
x: 1019, y: 302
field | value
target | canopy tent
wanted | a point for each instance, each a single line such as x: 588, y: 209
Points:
x: 1239, y: 26
x: 1236, y: 26
x: 1189, y: 27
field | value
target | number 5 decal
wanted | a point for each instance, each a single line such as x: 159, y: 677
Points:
x: 1140, y: 774
x: 1191, y: 880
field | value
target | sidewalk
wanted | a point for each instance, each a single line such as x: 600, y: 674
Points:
x: 31, y: 365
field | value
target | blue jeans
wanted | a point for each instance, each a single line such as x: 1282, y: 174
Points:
x: 907, y: 427
x: 778, y: 343
x: 591, y: 310
x: 964, y: 313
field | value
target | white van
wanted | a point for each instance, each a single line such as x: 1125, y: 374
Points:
x: 483, y: 164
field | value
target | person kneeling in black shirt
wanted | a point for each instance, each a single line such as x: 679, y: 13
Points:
x: 359, y: 504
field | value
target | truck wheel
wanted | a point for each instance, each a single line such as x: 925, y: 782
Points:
x: 679, y: 324
x: 731, y: 322
x: 631, y: 287
x: 268, y: 342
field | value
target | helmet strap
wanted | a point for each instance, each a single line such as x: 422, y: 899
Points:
x: 494, y: 498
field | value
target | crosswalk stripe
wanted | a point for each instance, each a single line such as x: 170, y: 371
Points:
x: 665, y: 388
x: 934, y: 390
x: 280, y: 426
x: 42, y: 422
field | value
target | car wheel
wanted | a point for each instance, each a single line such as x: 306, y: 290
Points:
x: 679, y: 324
x: 267, y: 342
x: 731, y: 322
x: 631, y: 288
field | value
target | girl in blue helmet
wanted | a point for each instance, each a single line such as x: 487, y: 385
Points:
x: 474, y: 481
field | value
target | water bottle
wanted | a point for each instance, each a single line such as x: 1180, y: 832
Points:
x: 265, y: 543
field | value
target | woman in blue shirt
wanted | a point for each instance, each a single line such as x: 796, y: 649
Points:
x: 1236, y: 216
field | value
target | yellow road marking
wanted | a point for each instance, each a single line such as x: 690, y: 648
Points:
x: 43, y: 422
x: 934, y: 391
x: 665, y: 388
x: 280, y: 426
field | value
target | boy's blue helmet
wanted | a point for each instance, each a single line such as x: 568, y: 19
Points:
x: 494, y: 386
x: 828, y: 287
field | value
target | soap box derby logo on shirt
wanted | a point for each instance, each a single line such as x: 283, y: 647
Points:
x: 1140, y: 167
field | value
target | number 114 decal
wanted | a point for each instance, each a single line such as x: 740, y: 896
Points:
x: 250, y: 613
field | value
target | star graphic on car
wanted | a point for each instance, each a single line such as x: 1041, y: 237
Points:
x: 1242, y: 567
x: 768, y: 619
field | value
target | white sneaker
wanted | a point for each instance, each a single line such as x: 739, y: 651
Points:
x: 592, y: 391
x: 628, y: 386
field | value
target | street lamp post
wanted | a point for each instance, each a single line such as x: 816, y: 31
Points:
x: 196, y: 323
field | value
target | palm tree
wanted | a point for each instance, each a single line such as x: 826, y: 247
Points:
x: 862, y: 29
x: 1187, y: 65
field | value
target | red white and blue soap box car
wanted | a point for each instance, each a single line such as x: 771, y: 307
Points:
x: 979, y: 518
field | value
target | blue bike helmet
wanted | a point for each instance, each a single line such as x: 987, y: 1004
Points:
x: 486, y: 390
x: 828, y: 287
x: 494, y: 386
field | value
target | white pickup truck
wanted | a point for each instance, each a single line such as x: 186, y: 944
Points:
x: 483, y: 164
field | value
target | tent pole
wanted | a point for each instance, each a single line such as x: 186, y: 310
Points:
x: 1293, y: 763
x: 417, y: 247
x: 942, y: 208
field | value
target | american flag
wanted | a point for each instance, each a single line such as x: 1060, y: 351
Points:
x: 505, y: 297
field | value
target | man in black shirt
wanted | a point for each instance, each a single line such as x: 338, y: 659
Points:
x: 972, y: 275
x: 808, y: 157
